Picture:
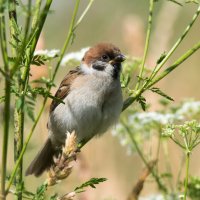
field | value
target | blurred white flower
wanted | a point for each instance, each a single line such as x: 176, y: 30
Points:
x: 154, y: 197
x: 49, y: 53
x: 189, y: 108
x: 154, y: 117
x: 78, y: 55
x: 118, y: 127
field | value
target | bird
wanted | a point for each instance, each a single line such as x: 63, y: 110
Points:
x: 91, y: 103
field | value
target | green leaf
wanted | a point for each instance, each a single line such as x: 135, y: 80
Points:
x: 176, y: 2
x: 192, y: 1
x: 166, y: 175
x: 54, y: 197
x: 2, y: 99
x: 30, y: 111
x: 44, y: 80
x: 163, y: 55
x: 125, y: 79
x: 91, y: 183
x: 158, y: 91
x: 40, y: 193
x: 142, y: 101
x: 18, y: 103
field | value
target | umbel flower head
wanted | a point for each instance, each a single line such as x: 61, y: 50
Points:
x: 62, y: 166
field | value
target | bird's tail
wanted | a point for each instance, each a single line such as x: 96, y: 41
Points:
x: 43, y: 160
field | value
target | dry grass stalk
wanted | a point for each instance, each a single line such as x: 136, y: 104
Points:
x: 134, y: 195
x: 69, y: 196
x: 62, y: 167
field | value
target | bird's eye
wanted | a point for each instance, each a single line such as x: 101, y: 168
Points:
x: 105, y: 57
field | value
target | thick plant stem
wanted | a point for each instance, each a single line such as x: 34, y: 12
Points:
x: 151, y: 6
x: 18, y: 144
x: 186, y: 175
x: 18, y: 113
x: 24, y: 149
x: 7, y: 100
x: 36, y: 14
x: 5, y: 138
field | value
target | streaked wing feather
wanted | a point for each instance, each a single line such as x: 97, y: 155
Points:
x: 64, y: 88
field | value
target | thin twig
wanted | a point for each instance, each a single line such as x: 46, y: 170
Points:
x: 179, y: 61
x: 160, y: 65
x: 68, y: 39
x: 151, y: 6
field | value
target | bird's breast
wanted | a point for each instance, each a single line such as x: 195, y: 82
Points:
x: 90, y: 108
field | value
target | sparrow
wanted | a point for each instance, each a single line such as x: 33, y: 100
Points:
x: 92, y: 102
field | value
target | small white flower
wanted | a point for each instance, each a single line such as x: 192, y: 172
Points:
x: 152, y: 197
x: 117, y: 129
x: 123, y: 141
x: 49, y: 53
x: 153, y: 117
x: 69, y: 196
x: 78, y: 55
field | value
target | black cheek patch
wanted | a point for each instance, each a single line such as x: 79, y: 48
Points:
x: 98, y: 67
x: 117, y: 69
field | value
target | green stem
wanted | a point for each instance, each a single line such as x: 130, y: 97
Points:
x: 7, y: 100
x: 180, y: 60
x: 152, y: 78
x: 186, y: 174
x: 176, y: 64
x: 68, y: 39
x: 180, y: 171
x: 151, y: 6
x: 36, y: 14
x: 18, y: 113
x: 134, y: 142
x: 5, y: 138
x: 18, y: 144
x: 24, y: 149
x: 168, y: 164
x: 27, y: 24
x: 83, y: 14
x: 160, y: 65
x: 34, y: 36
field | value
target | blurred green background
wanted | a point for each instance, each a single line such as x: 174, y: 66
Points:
x: 122, y: 22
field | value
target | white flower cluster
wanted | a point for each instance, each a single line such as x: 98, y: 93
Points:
x: 189, y: 108
x: 154, y: 117
x: 145, y: 123
x: 155, y: 197
x: 78, y: 55
x: 49, y: 53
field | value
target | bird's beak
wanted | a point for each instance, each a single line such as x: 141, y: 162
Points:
x: 120, y: 58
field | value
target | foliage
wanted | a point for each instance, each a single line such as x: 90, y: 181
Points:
x: 92, y: 182
x: 18, y: 54
x: 194, y: 188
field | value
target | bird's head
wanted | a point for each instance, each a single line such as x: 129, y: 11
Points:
x: 103, y: 59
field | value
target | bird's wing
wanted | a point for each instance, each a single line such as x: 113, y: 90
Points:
x: 64, y: 88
